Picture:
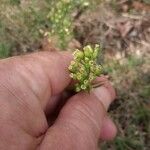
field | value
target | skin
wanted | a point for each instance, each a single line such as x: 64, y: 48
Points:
x: 32, y: 91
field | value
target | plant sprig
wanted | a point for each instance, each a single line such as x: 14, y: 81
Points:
x: 84, y: 68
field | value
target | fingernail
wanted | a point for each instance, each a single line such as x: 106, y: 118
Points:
x: 103, y: 94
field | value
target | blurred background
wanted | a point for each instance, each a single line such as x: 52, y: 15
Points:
x: 122, y: 27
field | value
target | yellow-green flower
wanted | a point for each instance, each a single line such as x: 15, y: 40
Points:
x: 84, y: 68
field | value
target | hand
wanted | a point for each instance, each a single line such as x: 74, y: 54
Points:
x: 31, y: 89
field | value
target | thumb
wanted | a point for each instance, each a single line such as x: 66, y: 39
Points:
x: 79, y: 122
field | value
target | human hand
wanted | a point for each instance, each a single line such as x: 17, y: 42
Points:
x: 31, y: 88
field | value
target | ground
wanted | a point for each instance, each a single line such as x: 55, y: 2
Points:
x: 121, y: 27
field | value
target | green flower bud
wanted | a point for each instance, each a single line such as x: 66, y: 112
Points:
x: 72, y: 68
x: 86, y: 59
x: 92, y: 68
x: 98, y: 70
x: 79, y: 54
x: 92, y: 76
x: 83, y: 86
x: 88, y: 51
x: 91, y: 63
x: 77, y: 88
x: 86, y: 82
x: 96, y: 51
x: 87, y: 66
x: 81, y: 68
x: 79, y: 76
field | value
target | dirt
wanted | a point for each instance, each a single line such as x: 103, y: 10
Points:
x: 115, y: 32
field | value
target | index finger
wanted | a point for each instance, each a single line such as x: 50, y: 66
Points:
x: 42, y: 74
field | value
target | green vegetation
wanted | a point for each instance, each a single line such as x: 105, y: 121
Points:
x: 131, y: 111
x: 20, y: 25
x: 61, y: 18
x: 24, y: 24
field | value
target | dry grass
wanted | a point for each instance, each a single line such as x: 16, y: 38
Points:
x: 128, y: 65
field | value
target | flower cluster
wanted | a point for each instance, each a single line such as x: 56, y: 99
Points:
x: 84, y: 68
